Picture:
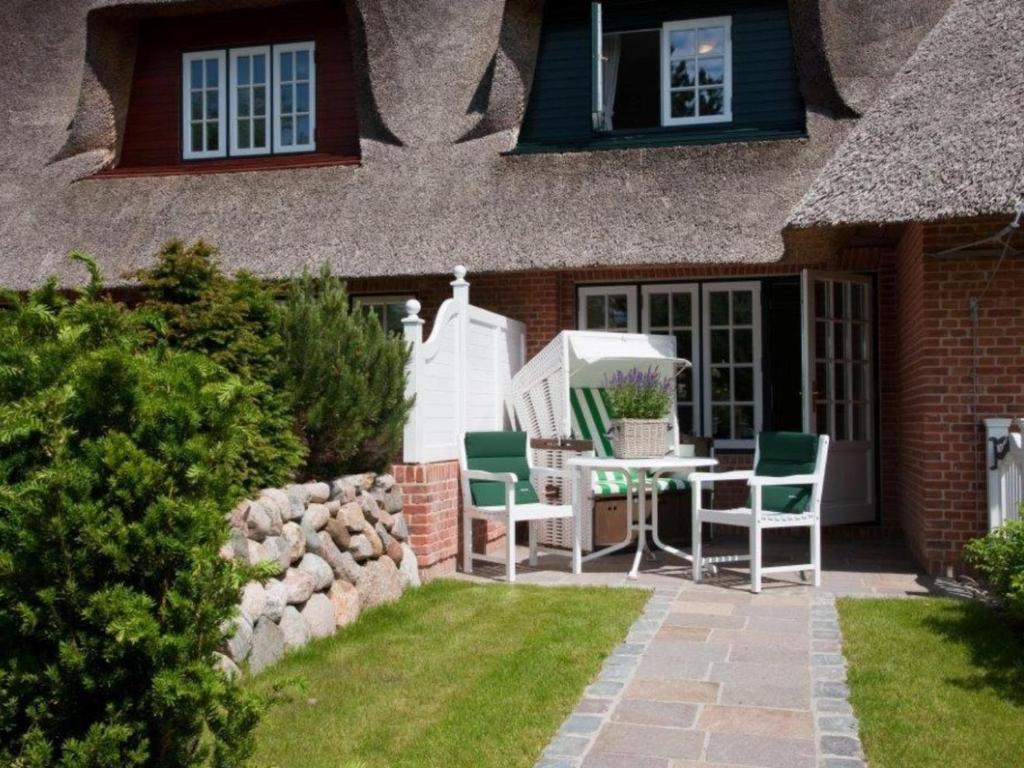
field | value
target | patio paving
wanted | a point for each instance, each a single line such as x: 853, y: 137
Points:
x: 712, y: 675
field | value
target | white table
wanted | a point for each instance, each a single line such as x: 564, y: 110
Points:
x: 647, y: 472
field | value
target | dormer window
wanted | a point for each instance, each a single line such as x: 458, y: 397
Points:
x: 249, y: 89
x: 231, y: 110
x: 676, y: 75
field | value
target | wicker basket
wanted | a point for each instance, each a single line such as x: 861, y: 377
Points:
x: 639, y: 438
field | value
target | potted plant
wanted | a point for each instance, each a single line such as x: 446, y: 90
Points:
x: 639, y: 402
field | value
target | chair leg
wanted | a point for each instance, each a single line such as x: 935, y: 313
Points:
x: 695, y: 532
x: 510, y: 553
x: 755, y: 558
x: 467, y: 544
x: 533, y: 542
x: 816, y: 552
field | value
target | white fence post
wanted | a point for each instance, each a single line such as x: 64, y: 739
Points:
x: 460, y: 293
x: 412, y: 326
x: 1004, y: 471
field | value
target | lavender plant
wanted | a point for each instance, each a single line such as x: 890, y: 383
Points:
x: 638, y: 394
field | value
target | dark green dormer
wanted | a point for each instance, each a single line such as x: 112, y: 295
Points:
x: 632, y: 73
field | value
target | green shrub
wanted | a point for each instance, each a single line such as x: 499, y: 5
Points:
x: 1000, y: 557
x: 346, y: 377
x: 117, y: 463
x: 191, y: 305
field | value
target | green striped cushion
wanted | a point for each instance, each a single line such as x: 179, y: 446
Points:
x: 591, y: 419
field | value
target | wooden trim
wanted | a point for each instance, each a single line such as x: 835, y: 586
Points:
x: 231, y: 165
x: 554, y: 444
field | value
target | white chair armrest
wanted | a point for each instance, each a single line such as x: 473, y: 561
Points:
x: 508, y: 478
x: 787, y: 480
x: 712, y: 477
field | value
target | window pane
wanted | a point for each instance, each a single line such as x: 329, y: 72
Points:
x: 684, y: 344
x: 840, y: 381
x: 659, y: 310
x: 857, y: 382
x: 259, y: 69
x: 395, y: 314
x: 212, y: 105
x: 243, y: 134
x: 712, y: 71
x: 684, y: 386
x: 286, y: 66
x: 243, y: 102
x: 259, y: 134
x: 197, y: 105
x: 821, y: 419
x: 302, y: 97
x: 287, y: 98
x: 838, y: 300
x: 685, y: 413
x: 821, y: 380
x: 682, y: 43
x: 821, y: 304
x: 212, y: 136
x: 721, y: 421
x: 859, y: 426
x: 302, y: 129
x: 287, y: 134
x: 197, y: 137
x: 618, y: 315
x: 838, y: 341
x: 743, y: 345
x: 720, y: 388
x: 242, y: 70
x: 595, y: 312
x: 683, y: 104
x: 711, y: 40
x: 712, y: 101
x: 719, y: 308
x: 856, y: 301
x: 744, y: 429
x: 682, y: 310
x: 302, y: 65
x: 743, y: 377
x: 683, y: 73
x: 259, y: 101
x: 743, y: 308
x: 197, y: 74
x: 857, y: 341
x: 212, y: 73
x: 821, y: 340
x: 720, y: 346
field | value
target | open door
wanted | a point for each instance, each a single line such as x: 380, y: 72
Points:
x: 838, y: 390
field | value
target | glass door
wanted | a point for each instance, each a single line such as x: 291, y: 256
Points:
x: 838, y: 391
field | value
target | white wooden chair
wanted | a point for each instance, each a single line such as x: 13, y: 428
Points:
x: 785, y: 492
x: 498, y: 484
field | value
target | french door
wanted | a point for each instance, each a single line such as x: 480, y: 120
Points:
x: 838, y: 390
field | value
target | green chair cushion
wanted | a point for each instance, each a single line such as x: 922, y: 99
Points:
x: 499, y: 452
x: 781, y: 454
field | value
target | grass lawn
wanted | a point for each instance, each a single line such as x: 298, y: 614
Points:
x: 454, y: 674
x: 934, y: 682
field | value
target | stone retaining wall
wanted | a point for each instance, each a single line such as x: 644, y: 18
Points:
x: 337, y: 549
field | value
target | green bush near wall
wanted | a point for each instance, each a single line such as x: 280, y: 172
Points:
x: 117, y: 462
x: 1000, y: 557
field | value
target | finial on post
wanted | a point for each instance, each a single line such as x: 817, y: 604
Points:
x: 460, y: 288
x: 412, y: 324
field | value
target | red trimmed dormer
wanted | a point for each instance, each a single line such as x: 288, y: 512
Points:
x: 244, y: 90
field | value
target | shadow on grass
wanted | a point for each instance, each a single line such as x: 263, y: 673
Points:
x: 996, y: 651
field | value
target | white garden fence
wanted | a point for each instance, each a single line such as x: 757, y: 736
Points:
x: 461, y: 376
x: 1004, y: 462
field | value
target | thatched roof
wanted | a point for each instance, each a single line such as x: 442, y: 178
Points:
x: 946, y: 140
x: 435, y: 186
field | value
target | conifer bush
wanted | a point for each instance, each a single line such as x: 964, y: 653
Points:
x: 346, y: 376
x: 118, y: 459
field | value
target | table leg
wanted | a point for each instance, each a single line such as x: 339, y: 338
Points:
x: 578, y: 498
x: 641, y: 523
x: 654, y: 524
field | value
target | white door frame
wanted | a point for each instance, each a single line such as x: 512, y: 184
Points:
x: 851, y: 486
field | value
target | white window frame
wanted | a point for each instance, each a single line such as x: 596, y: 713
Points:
x: 187, y: 152
x: 692, y: 354
x: 666, y: 72
x: 629, y: 291
x: 310, y: 146
x: 368, y: 300
x: 233, y: 55
x: 706, y: 290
